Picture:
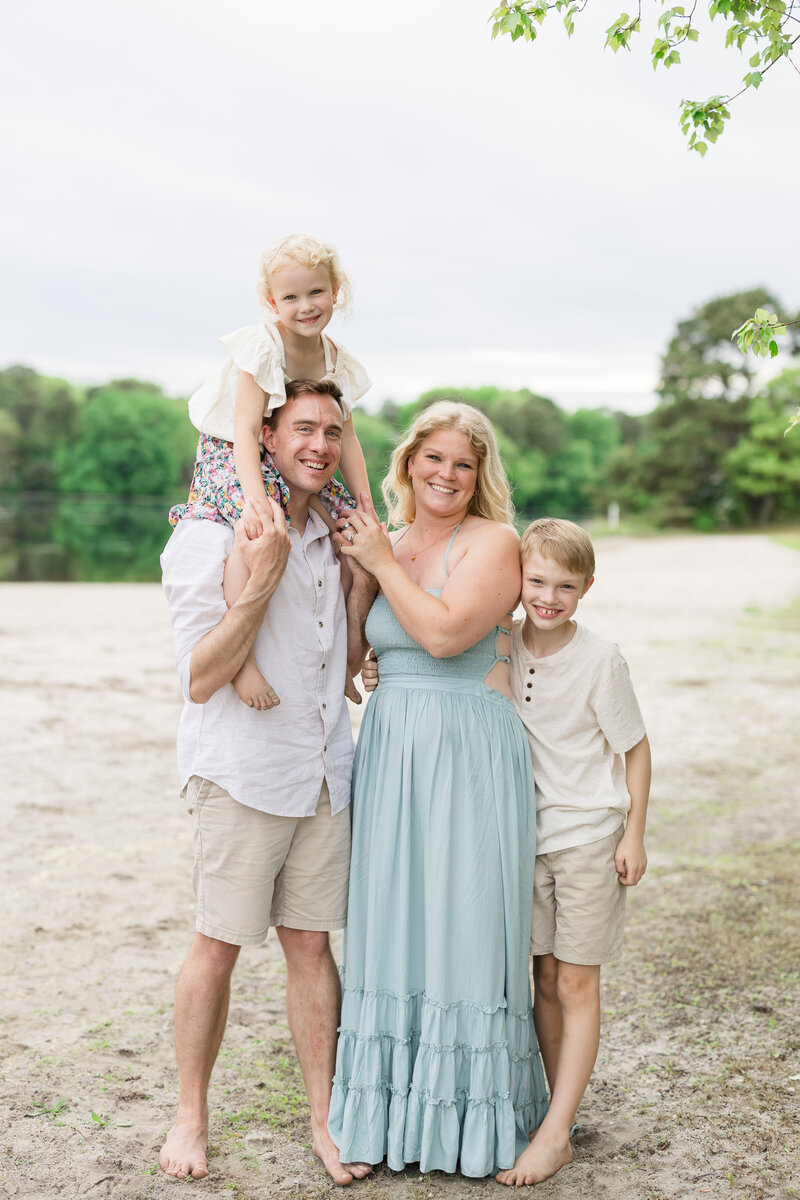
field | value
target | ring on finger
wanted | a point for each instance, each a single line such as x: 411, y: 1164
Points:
x: 352, y: 537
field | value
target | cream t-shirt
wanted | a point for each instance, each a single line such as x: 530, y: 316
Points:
x: 581, y: 715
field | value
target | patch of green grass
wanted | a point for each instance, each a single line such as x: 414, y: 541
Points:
x: 282, y: 1102
x: 788, y: 538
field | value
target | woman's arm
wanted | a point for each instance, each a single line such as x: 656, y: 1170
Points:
x: 480, y: 590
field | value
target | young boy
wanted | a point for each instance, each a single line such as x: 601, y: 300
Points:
x: 591, y: 762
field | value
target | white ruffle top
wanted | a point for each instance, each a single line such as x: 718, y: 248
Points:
x: 259, y: 350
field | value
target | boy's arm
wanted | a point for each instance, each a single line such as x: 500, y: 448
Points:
x: 351, y: 463
x: 630, y: 858
x: 359, y: 602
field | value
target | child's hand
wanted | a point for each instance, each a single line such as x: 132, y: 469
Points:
x: 253, y: 515
x: 369, y: 672
x: 630, y: 860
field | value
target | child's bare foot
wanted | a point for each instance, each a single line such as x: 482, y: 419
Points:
x: 537, y: 1163
x: 252, y: 687
x: 342, y: 1173
x: 184, y: 1152
x: 350, y: 689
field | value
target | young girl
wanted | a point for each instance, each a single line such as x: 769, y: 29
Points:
x: 302, y: 282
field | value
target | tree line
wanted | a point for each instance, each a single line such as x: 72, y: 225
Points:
x: 711, y: 454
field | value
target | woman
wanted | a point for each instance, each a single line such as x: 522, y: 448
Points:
x: 437, y: 1060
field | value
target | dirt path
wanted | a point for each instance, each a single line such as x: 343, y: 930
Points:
x: 697, y: 1083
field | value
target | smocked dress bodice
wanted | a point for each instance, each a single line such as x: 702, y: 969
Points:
x: 399, y: 654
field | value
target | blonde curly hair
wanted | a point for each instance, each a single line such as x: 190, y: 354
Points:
x: 492, y: 498
x: 307, y: 251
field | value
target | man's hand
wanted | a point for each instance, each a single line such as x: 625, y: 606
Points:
x: 369, y: 672
x: 254, y: 515
x: 266, y: 554
x: 630, y: 860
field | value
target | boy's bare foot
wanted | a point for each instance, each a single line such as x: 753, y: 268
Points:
x: 350, y: 689
x: 184, y: 1152
x: 537, y: 1163
x: 252, y: 687
x: 342, y: 1173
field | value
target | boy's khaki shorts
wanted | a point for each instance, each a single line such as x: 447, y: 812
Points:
x: 253, y: 869
x: 579, y: 904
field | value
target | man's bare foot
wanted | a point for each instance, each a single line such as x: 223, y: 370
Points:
x: 184, y: 1152
x: 342, y: 1173
x: 537, y: 1163
x: 252, y: 687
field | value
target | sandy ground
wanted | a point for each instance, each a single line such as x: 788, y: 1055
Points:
x: 695, y: 1091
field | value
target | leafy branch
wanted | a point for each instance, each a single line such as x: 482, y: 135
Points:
x: 763, y: 25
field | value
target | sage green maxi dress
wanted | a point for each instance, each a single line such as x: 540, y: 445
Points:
x: 437, y: 1061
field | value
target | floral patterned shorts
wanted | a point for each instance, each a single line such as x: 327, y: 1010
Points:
x: 216, y: 494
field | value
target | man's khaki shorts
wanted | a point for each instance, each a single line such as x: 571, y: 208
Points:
x: 579, y: 904
x: 253, y: 869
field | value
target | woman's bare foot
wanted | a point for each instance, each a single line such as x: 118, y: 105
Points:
x: 537, y: 1163
x: 184, y: 1152
x: 252, y: 687
x: 323, y: 1147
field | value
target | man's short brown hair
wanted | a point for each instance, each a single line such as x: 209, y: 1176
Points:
x: 298, y: 387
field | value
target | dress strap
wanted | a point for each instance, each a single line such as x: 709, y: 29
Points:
x: 447, y: 551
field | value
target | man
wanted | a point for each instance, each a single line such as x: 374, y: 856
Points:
x: 269, y: 790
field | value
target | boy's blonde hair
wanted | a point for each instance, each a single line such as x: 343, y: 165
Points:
x: 564, y: 541
x: 307, y: 251
x: 492, y: 498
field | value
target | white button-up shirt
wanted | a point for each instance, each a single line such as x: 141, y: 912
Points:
x: 276, y: 760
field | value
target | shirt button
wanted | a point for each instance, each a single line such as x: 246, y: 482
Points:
x: 320, y: 624
x: 324, y: 748
x: 322, y: 668
x: 531, y: 671
x: 324, y: 706
x: 527, y: 699
x: 319, y: 583
x: 530, y: 685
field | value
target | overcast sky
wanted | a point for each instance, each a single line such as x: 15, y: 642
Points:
x: 526, y: 215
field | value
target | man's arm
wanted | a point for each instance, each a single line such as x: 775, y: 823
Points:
x: 218, y: 655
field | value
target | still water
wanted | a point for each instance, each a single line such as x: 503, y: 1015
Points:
x: 49, y: 537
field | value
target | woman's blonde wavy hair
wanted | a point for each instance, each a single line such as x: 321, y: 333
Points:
x: 308, y: 252
x: 492, y: 498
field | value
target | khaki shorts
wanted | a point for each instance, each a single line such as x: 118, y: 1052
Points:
x: 253, y: 869
x: 579, y: 904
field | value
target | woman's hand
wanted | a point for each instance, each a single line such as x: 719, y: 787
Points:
x: 364, y: 539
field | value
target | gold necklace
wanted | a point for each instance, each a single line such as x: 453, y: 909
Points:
x: 414, y: 553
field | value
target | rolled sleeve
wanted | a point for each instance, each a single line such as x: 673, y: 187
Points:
x: 193, y: 564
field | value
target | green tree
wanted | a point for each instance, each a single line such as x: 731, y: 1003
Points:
x: 763, y: 468
x: 676, y: 473
x: 37, y: 414
x: 131, y: 440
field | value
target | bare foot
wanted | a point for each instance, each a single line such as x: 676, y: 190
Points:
x: 537, y: 1163
x: 350, y: 689
x: 252, y: 687
x: 342, y: 1173
x: 184, y: 1152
